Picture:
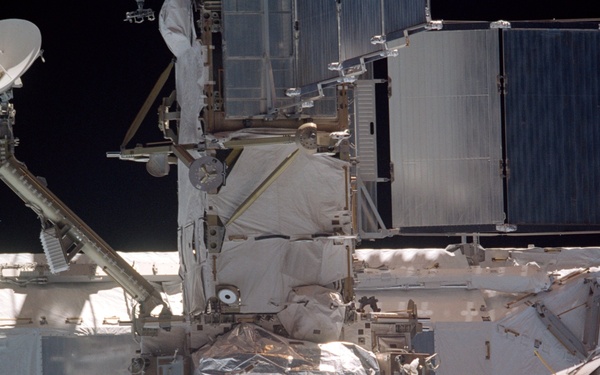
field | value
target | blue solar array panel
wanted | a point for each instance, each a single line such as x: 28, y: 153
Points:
x: 552, y: 126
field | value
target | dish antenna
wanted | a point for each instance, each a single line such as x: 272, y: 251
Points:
x: 20, y: 43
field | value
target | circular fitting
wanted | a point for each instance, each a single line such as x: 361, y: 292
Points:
x: 227, y: 296
x: 306, y: 137
x: 206, y: 173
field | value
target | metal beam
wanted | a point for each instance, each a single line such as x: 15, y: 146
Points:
x: 562, y: 333
x: 592, y: 316
x: 48, y: 207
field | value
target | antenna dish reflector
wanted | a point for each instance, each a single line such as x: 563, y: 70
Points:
x: 20, y: 43
x: 158, y: 165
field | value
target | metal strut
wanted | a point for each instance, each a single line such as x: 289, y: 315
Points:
x: 562, y: 333
x: 81, y: 237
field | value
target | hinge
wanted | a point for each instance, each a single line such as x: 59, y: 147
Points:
x: 504, y: 168
x: 500, y: 24
x: 501, y: 82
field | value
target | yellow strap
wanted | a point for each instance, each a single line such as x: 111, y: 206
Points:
x: 135, y: 125
x: 537, y: 354
x: 263, y: 186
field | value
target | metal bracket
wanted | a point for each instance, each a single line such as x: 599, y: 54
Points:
x: 434, y: 25
x: 506, y: 228
x: 500, y: 24
x: 140, y: 14
x: 165, y: 117
x: 7, y: 140
x: 592, y: 316
x: 472, y: 251
x: 229, y: 299
x: 367, y: 211
x: 562, y: 333
x: 214, y: 233
x: 501, y: 82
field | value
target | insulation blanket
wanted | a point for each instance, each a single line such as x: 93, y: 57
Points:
x: 438, y: 268
x: 525, y: 279
x: 250, y: 349
x: 191, y: 74
x: 313, y: 313
x: 76, y: 305
x: 302, y: 201
x: 412, y: 258
x: 77, y: 308
x: 558, y: 258
x: 522, y: 337
x: 266, y: 270
x: 522, y: 332
x: 195, y: 270
x: 190, y: 77
x: 175, y: 24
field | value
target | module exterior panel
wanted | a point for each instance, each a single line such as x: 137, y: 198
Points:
x: 445, y: 130
x: 552, y: 126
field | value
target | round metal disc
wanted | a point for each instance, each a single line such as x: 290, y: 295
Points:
x: 206, y: 173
